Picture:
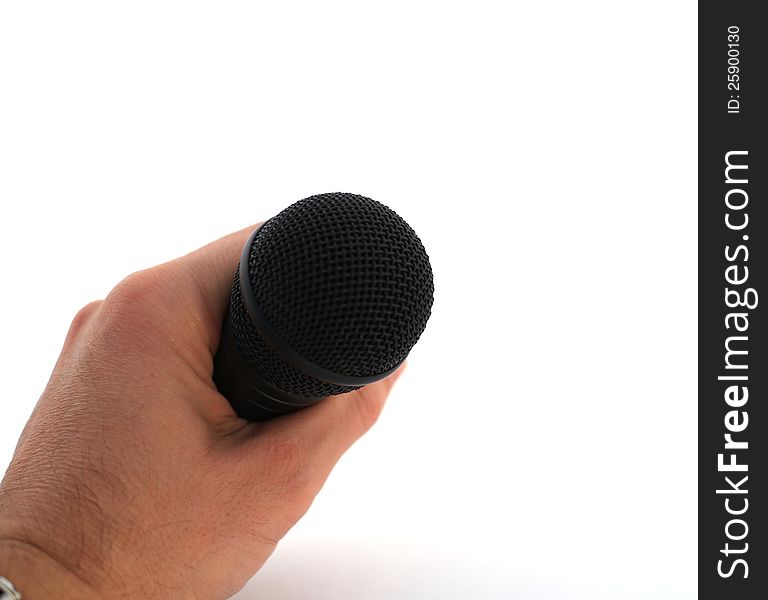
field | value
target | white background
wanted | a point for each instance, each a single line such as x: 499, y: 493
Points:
x: 543, y: 442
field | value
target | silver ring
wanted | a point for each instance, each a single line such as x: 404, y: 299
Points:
x: 7, y: 591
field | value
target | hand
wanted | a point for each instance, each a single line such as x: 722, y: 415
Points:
x: 134, y: 478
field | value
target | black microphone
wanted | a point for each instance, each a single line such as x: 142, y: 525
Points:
x: 330, y: 295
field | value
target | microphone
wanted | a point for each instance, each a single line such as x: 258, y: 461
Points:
x: 330, y: 295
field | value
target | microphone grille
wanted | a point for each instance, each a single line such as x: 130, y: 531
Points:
x: 345, y: 282
x: 260, y: 355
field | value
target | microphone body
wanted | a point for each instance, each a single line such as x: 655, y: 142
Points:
x: 329, y: 296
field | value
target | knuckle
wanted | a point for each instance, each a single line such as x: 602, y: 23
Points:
x: 83, y: 316
x: 138, y: 287
x: 136, y: 295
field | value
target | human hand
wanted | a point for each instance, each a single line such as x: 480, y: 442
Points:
x: 134, y: 478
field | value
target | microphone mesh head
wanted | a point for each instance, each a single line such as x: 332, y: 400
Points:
x: 343, y: 281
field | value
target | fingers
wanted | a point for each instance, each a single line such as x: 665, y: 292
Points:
x: 209, y: 271
x: 172, y: 313
x: 186, y: 297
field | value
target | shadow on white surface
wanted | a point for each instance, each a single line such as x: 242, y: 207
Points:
x: 339, y: 571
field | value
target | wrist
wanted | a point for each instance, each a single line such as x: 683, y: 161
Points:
x: 38, y: 576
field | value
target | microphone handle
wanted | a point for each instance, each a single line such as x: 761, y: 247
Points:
x: 251, y: 396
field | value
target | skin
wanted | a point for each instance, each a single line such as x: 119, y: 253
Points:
x: 134, y: 478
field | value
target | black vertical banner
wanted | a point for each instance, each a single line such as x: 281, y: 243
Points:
x: 733, y: 301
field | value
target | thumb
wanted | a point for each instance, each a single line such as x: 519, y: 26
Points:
x: 326, y: 430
